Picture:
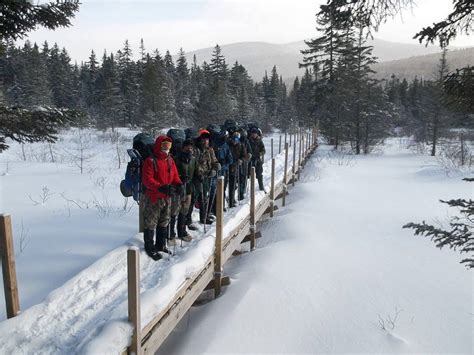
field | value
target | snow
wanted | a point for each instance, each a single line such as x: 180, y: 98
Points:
x: 329, y: 265
x: 335, y: 260
x: 89, y: 310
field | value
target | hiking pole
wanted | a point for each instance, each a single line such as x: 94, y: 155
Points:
x: 206, y: 205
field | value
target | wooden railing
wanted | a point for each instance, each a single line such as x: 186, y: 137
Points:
x: 148, y: 339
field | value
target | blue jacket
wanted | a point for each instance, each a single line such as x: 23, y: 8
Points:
x: 223, y: 155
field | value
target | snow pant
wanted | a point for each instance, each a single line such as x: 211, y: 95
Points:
x: 156, y: 215
x: 203, y: 199
x: 233, y: 176
x: 179, y: 205
x: 258, y: 164
x: 243, y: 180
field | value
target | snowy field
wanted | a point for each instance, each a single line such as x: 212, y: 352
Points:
x: 335, y: 266
x: 330, y: 290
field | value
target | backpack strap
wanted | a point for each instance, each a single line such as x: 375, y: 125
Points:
x: 155, y: 167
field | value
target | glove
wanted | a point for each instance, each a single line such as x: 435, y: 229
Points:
x: 218, y: 166
x: 166, y: 189
x: 250, y: 156
x: 212, y: 173
x: 239, y: 162
x: 179, y: 189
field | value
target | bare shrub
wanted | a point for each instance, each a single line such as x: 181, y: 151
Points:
x: 390, y: 322
x: 81, y: 152
x: 42, y: 197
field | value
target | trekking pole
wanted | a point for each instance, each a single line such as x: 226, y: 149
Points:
x: 206, y: 205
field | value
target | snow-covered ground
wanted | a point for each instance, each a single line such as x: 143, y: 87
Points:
x: 335, y: 265
x: 330, y: 267
x: 89, y: 310
x: 63, y: 220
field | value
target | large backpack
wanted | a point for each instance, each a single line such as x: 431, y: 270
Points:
x: 132, y: 186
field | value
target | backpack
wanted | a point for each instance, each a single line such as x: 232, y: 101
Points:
x: 132, y: 185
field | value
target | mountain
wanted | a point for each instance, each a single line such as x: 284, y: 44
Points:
x: 259, y: 57
x: 423, y: 66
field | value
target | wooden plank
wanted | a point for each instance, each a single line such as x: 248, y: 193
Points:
x: 225, y: 281
x: 219, y: 236
x: 271, y: 148
x: 279, y: 146
x: 133, y: 269
x: 10, y: 284
x: 158, y: 333
x: 252, y: 208
x: 248, y: 237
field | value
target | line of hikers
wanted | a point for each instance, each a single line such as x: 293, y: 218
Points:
x: 182, y: 172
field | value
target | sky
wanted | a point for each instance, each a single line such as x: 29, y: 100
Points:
x: 194, y: 24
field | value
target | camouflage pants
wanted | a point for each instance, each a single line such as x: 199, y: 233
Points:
x: 180, y: 204
x: 155, y: 214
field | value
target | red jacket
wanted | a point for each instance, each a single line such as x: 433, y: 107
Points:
x: 160, y: 172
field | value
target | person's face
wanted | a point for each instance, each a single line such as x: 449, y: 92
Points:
x: 205, y: 142
x: 254, y: 135
x: 188, y: 149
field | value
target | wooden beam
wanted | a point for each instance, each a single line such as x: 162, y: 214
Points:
x: 285, y: 175
x: 248, y: 237
x: 279, y: 146
x: 133, y: 270
x: 252, y: 208
x: 225, y: 281
x: 10, y: 284
x: 219, y: 235
x: 271, y: 140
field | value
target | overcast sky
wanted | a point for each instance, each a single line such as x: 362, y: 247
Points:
x: 195, y: 24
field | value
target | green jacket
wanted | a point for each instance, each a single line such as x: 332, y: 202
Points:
x: 187, y: 170
x: 257, y: 148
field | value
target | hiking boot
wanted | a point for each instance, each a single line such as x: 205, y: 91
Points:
x: 172, y: 232
x: 192, y: 227
x: 150, y: 245
x: 161, y: 234
x: 172, y: 242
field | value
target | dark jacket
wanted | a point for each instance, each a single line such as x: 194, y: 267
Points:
x: 187, y: 170
x: 257, y: 148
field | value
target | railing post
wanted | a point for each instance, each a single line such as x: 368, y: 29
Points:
x: 133, y: 267
x: 272, y: 148
x: 279, y: 146
x: 293, y: 168
x: 299, y: 158
x: 285, y: 175
x: 219, y: 236
x: 272, y: 189
x: 252, y: 208
x: 10, y: 284
x: 286, y: 141
x: 290, y: 138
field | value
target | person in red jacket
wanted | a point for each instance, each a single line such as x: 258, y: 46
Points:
x: 161, y: 180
